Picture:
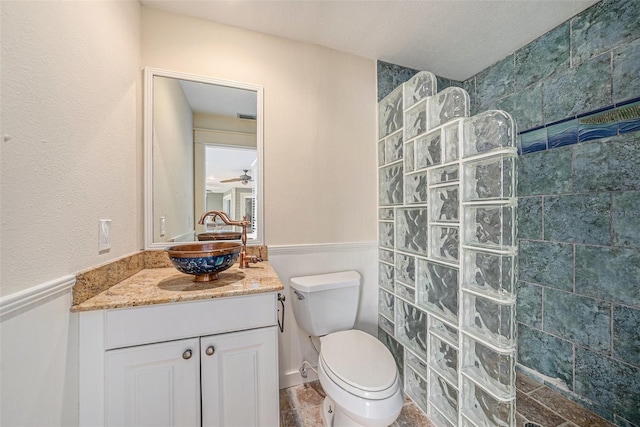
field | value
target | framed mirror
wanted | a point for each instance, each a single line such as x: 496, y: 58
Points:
x: 203, y: 151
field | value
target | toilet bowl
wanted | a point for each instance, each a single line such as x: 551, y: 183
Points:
x: 360, y: 378
x: 357, y: 372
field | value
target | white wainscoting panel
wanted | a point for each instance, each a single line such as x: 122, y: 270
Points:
x: 303, y: 260
x: 39, y: 356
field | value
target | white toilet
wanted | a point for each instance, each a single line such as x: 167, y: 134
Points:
x: 356, y: 371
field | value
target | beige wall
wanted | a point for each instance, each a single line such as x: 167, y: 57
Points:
x: 70, y: 148
x: 70, y: 155
x: 172, y: 160
x: 212, y: 129
x: 229, y: 124
x: 319, y: 123
x: 71, y: 152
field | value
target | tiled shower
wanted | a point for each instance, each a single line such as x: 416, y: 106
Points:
x: 575, y: 95
x: 447, y: 253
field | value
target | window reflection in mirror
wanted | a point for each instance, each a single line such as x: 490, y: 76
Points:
x: 202, y: 140
x: 228, y: 188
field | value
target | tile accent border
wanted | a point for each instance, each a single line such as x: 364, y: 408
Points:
x: 619, y: 118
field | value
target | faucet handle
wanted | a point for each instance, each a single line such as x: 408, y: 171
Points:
x: 251, y: 259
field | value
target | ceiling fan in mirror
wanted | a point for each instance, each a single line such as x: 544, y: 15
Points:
x: 244, y: 178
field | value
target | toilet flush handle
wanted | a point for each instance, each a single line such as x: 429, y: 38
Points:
x: 298, y: 294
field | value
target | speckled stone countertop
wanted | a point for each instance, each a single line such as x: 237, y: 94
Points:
x: 166, y: 285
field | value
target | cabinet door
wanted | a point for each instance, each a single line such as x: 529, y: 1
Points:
x: 154, y: 385
x: 240, y: 379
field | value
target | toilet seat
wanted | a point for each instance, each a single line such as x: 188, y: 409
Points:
x: 360, y: 364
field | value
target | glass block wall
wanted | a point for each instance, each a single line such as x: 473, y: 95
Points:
x: 447, y: 256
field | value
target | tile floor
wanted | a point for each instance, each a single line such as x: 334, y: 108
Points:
x: 300, y: 406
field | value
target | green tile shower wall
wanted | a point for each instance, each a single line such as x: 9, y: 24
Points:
x: 575, y: 95
x: 556, y: 86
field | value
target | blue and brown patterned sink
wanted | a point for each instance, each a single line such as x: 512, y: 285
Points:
x: 204, y: 260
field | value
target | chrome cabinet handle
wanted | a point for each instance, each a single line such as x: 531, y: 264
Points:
x: 210, y: 350
x: 187, y: 354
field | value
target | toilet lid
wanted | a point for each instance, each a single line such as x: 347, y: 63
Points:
x: 358, y: 361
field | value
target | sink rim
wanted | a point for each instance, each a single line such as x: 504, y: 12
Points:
x: 206, y: 236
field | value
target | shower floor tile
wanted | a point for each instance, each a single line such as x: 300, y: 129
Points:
x: 536, y: 403
x: 301, y: 405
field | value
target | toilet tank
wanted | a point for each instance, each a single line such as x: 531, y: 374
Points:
x: 325, y: 303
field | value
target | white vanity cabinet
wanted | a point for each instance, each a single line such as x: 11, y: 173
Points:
x: 202, y: 363
x: 153, y: 385
x: 239, y: 379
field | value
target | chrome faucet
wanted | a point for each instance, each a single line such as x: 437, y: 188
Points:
x: 244, y: 258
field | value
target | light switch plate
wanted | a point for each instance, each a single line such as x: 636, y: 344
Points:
x: 104, y: 235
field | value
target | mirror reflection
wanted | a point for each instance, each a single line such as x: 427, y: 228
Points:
x: 204, y: 138
x: 225, y: 189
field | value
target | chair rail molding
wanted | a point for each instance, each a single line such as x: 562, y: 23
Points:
x: 22, y: 299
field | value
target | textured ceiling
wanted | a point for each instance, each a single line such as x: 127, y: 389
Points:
x: 451, y: 38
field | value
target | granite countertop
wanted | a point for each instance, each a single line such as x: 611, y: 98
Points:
x: 166, y: 285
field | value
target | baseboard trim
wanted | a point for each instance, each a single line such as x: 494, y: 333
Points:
x: 320, y: 247
x: 26, y: 297
x: 293, y: 378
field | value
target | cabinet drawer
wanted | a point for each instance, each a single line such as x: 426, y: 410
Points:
x: 163, y: 322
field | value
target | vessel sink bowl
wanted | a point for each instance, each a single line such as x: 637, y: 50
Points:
x: 220, y: 235
x: 204, y: 260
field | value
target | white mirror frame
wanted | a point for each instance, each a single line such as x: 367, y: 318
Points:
x: 149, y: 74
